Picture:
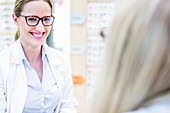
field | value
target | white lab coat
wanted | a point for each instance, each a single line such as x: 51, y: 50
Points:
x: 13, y: 81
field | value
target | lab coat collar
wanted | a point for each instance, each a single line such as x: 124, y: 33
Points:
x: 16, y: 59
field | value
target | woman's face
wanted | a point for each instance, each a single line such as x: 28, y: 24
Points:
x: 33, y: 36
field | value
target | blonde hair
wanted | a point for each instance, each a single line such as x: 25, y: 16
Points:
x: 18, y: 7
x: 136, y: 68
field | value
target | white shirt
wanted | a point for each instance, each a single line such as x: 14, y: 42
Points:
x: 41, y: 97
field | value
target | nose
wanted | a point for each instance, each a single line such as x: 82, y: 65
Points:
x: 40, y: 26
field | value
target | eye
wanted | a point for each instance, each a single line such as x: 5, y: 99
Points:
x: 47, y: 19
x: 32, y: 19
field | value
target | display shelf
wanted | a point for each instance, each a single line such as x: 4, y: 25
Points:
x: 7, y: 33
x: 6, y: 3
x: 8, y: 28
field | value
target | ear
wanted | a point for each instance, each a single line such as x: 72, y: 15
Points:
x: 15, y: 18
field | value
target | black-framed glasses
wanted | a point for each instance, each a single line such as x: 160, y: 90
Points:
x: 34, y: 20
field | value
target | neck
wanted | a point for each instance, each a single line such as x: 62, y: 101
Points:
x: 32, y: 54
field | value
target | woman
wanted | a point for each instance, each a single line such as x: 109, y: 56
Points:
x: 136, y: 71
x: 34, y: 77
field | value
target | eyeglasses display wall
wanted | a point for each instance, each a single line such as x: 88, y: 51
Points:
x: 99, y: 16
x: 7, y: 1
x: 7, y: 26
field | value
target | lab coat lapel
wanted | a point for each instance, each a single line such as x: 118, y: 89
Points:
x: 58, y: 80
x: 19, y: 92
x: 54, y: 63
x: 19, y: 88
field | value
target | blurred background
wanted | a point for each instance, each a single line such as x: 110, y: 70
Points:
x: 79, y: 30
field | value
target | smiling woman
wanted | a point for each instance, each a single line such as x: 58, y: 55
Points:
x: 32, y: 72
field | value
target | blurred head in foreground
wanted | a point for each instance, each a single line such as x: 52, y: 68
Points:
x: 136, y: 69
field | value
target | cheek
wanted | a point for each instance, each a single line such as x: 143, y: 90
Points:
x: 48, y: 30
x: 23, y: 26
x: 24, y: 30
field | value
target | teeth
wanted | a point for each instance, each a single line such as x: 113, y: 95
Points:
x: 38, y: 35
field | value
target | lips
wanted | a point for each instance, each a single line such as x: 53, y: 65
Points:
x: 37, y: 35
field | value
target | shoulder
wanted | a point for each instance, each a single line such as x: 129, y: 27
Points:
x: 52, y: 51
x: 5, y: 51
x: 5, y: 59
x: 56, y: 54
x: 159, y: 107
x: 5, y: 54
x: 8, y: 50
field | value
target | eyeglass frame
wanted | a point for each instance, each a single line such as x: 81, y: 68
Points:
x: 38, y: 20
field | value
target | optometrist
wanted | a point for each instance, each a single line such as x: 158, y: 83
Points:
x: 34, y: 78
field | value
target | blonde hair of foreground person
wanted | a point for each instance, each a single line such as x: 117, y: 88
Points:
x: 136, y: 68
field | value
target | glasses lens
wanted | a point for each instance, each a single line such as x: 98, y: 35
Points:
x: 48, y: 20
x: 32, y: 20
